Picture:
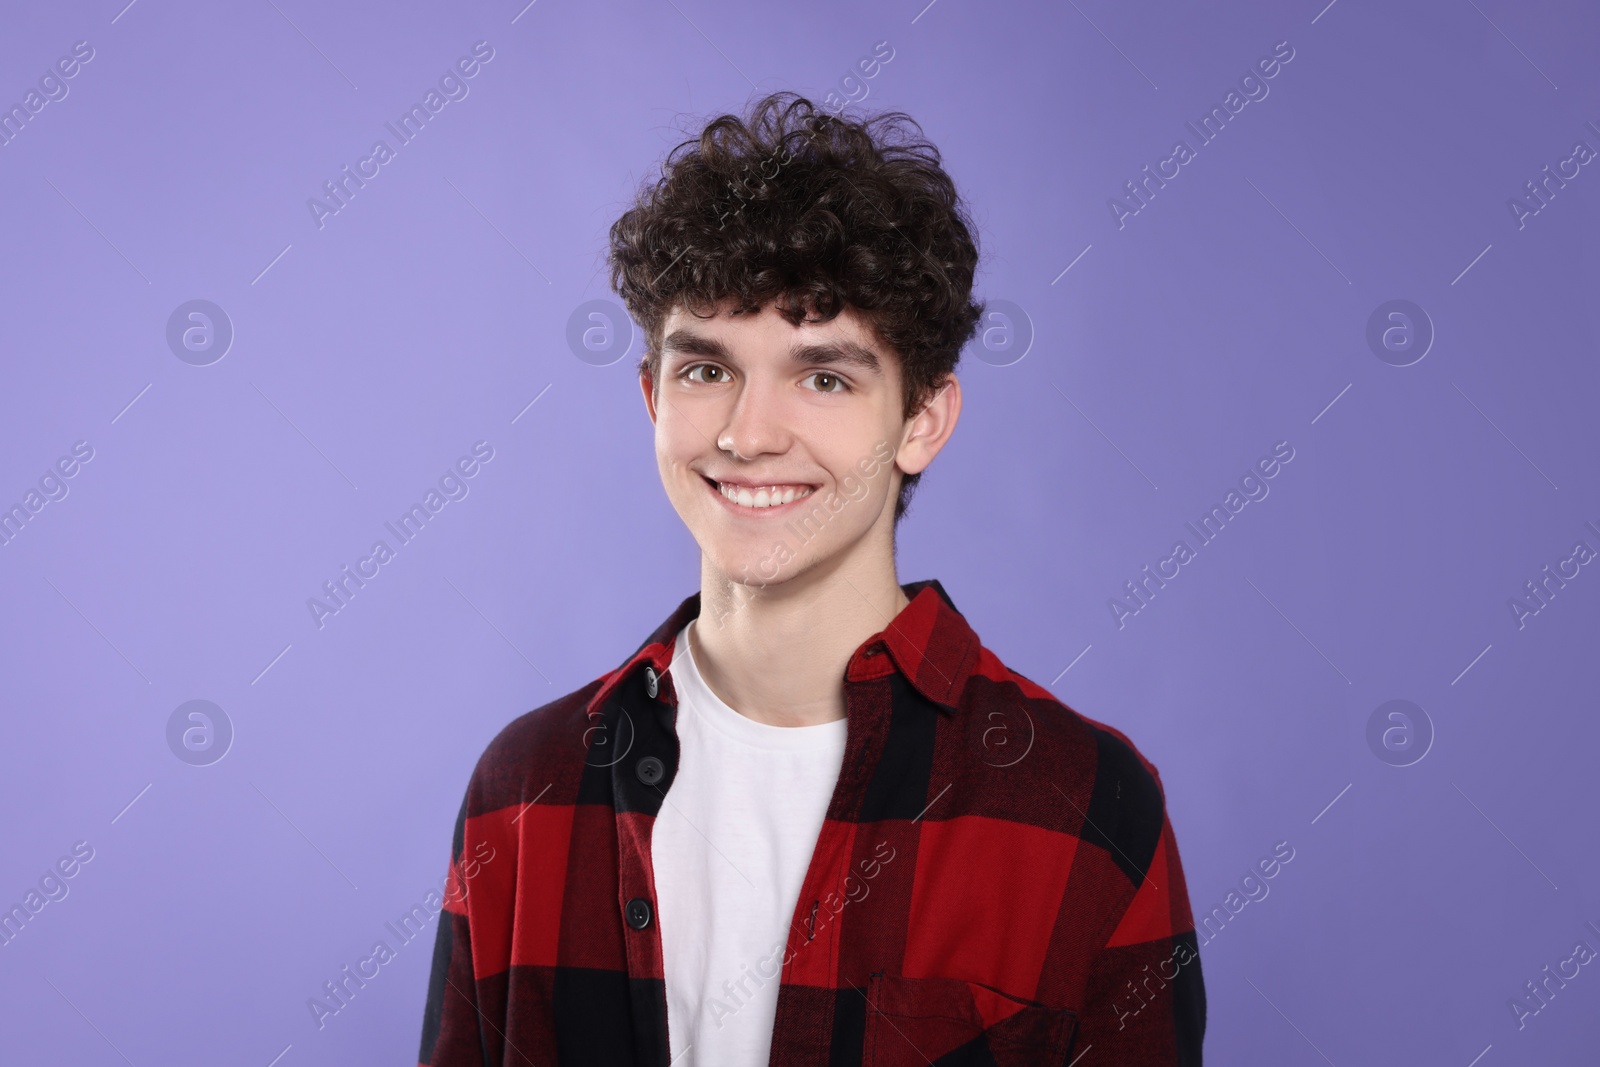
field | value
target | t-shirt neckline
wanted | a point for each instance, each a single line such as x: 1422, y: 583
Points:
x: 692, y: 690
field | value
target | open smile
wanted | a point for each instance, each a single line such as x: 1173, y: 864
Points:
x: 759, y: 500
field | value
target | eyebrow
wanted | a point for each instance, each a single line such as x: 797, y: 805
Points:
x: 818, y: 354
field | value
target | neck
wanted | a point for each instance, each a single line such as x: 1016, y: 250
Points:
x: 777, y: 653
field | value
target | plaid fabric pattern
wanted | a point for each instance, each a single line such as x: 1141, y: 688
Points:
x: 995, y: 883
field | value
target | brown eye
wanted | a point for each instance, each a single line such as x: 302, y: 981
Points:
x: 829, y: 383
x: 707, y: 368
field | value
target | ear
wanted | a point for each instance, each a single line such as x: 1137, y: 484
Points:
x: 647, y: 384
x: 928, y: 430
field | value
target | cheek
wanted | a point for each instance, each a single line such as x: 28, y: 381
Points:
x: 675, y: 446
x: 678, y: 479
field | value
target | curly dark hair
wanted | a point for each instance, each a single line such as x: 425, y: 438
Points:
x: 817, y: 212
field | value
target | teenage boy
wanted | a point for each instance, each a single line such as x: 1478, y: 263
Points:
x: 811, y: 820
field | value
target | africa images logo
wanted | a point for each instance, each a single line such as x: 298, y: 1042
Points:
x: 452, y: 87
x: 341, y: 590
x: 1253, y: 87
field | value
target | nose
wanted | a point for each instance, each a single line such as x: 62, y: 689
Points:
x: 755, y: 423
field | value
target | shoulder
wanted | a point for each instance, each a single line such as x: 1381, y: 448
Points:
x: 542, y: 750
x: 1107, y: 784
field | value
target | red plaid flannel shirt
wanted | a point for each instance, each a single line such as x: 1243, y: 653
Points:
x: 995, y: 882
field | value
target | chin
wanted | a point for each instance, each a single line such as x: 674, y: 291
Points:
x: 752, y: 568
x: 758, y: 565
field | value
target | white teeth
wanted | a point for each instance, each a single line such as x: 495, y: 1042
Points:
x: 765, y: 496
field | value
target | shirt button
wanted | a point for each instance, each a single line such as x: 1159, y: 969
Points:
x: 650, y: 770
x: 652, y: 684
x: 638, y: 912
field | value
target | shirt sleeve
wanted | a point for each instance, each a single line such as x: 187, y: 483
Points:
x: 451, y: 1034
x: 1145, y: 1002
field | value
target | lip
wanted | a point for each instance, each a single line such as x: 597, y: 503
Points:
x: 756, y: 513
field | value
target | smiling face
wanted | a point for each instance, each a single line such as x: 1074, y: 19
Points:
x: 782, y: 447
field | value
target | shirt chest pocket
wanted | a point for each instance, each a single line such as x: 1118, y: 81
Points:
x: 948, y: 1022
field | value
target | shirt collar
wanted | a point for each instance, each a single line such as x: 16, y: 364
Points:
x: 929, y: 642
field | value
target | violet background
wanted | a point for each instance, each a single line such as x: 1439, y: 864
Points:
x: 427, y: 314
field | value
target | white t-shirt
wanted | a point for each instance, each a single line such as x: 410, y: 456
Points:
x: 730, y: 846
